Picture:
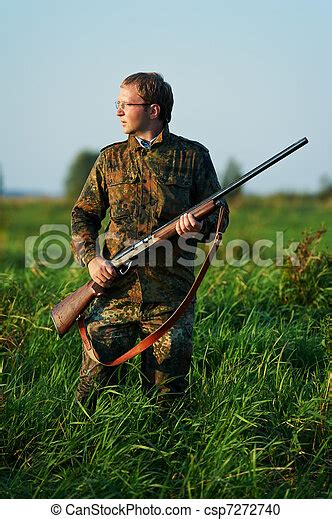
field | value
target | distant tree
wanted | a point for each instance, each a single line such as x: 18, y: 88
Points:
x: 325, y: 186
x: 232, y: 173
x: 1, y: 180
x: 78, y: 172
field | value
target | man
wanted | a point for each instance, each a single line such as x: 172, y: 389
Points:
x: 144, y: 182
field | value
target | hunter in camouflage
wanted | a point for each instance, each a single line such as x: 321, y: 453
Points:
x: 144, y: 182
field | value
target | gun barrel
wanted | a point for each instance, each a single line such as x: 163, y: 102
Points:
x: 262, y: 167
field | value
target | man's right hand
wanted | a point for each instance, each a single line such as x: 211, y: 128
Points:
x: 102, y: 271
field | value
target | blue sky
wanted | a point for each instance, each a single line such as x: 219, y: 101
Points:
x: 249, y: 78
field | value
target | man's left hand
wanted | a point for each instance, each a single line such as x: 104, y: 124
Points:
x: 188, y: 223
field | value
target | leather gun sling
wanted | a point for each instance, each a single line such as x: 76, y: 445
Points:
x: 153, y: 337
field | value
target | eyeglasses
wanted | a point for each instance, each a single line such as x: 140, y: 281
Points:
x: 123, y: 105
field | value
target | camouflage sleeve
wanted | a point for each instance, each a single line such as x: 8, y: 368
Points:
x: 88, y: 214
x: 206, y: 184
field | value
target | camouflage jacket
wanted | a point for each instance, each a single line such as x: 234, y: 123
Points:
x: 144, y: 189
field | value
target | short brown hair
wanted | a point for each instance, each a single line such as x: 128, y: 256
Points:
x: 153, y: 89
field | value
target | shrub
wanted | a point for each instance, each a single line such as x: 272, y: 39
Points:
x: 304, y: 279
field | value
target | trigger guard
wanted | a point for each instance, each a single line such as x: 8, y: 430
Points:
x: 126, y: 267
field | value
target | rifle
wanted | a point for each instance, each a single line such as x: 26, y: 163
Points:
x: 65, y: 313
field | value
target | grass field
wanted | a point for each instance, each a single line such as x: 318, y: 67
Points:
x: 255, y: 423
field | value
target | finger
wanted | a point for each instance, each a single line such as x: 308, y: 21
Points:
x: 106, y: 283
x: 110, y: 270
x: 187, y: 223
x: 197, y: 225
x: 193, y: 222
x: 107, y: 270
x: 182, y: 224
x: 178, y: 226
x: 101, y: 275
x: 108, y: 275
x: 104, y: 274
x: 100, y: 282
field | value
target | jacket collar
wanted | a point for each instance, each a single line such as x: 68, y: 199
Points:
x: 161, y: 138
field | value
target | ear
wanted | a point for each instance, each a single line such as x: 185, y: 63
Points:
x: 154, y: 111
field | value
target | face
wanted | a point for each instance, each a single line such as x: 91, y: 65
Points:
x: 134, y: 119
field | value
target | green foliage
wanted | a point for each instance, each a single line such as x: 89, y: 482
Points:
x: 232, y: 173
x: 78, y: 173
x: 305, y: 275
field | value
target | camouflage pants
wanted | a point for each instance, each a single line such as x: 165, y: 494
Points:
x: 114, y: 326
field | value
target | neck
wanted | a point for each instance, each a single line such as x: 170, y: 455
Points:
x: 151, y: 133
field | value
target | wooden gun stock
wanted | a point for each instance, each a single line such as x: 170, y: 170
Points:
x: 65, y: 313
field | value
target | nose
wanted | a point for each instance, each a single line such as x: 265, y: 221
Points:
x: 120, y: 111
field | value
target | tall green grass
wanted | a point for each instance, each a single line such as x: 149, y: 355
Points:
x: 254, y: 424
